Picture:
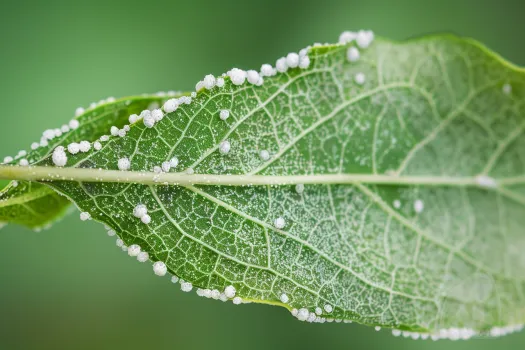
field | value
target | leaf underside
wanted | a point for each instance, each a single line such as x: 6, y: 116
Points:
x: 432, y: 107
x: 37, y: 206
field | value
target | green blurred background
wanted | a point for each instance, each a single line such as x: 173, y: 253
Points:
x: 70, y: 287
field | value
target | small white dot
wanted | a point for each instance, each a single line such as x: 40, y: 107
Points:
x: 146, y: 219
x: 133, y: 118
x: 186, y: 287
x: 507, y: 89
x: 279, y: 223
x: 299, y: 188
x: 174, y: 162
x: 74, y: 124
x: 134, y: 250
x: 159, y: 268
x: 143, y: 257
x: 377, y: 328
x: 328, y: 308
x: 174, y: 279
x: 79, y: 111
x: 85, y: 216
x: 352, y: 54
x: 397, y: 204
x: 23, y: 162
x: 166, y: 166
x: 418, y: 205
x: 97, y: 146
x: 113, y: 131
x: 318, y: 310
x: 264, y: 155
x: 111, y: 233
x: 224, y: 147
x: 224, y: 114
x: 140, y: 210
x: 360, y: 78
x: 237, y: 300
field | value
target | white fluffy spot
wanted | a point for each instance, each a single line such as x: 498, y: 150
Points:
x: 133, y: 118
x: 237, y: 300
x: 79, y: 111
x: 302, y: 314
x: 304, y: 62
x: 267, y: 70
x: 281, y: 65
x: 134, y: 250
x: 364, y: 38
x: 84, y: 146
x: 230, y: 291
x: 157, y: 114
x: 253, y: 76
x: 149, y: 121
x: 119, y: 242
x: 140, y: 210
x: 146, y: 219
x: 377, y: 328
x: 34, y: 145
x: 347, y: 37
x: 284, y: 298
x: 74, y: 124
x: 318, y: 311
x: 352, y: 54
x: 507, y: 89
x: 143, y: 257
x: 97, y: 146
x: 486, y: 181
x: 73, y: 148
x: 419, y: 205
x: 186, y: 287
x: 224, y: 114
x: 328, y: 308
x: 299, y: 188
x: 124, y: 164
x: 23, y: 162
x: 224, y: 147
x: 264, y: 155
x: 174, y: 279
x: 113, y: 131
x: 209, y: 81
x: 174, y: 162
x: 59, y: 156
x: 359, y: 78
x: 279, y: 223
x: 220, y: 82
x: 8, y: 159
x: 85, y: 216
x: 166, y: 166
x: 292, y: 60
x: 171, y: 105
x: 397, y: 204
x: 111, y: 233
x: 237, y: 76
x: 159, y: 268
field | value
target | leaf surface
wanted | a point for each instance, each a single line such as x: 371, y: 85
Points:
x: 424, y: 257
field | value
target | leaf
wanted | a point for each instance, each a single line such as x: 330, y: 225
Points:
x: 37, y: 206
x: 412, y: 213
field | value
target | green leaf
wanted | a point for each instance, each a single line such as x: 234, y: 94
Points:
x: 411, y: 216
x: 37, y: 206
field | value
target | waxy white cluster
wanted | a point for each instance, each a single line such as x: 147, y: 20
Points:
x: 141, y: 212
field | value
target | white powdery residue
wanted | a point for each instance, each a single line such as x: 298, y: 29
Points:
x: 237, y: 76
x: 299, y: 188
x: 230, y: 291
x: 220, y: 82
x: 302, y: 314
x: 23, y: 162
x: 174, y: 279
x: 209, y: 81
x: 85, y: 216
x: 160, y: 268
x: 97, y: 146
x: 279, y: 223
x: 284, y: 298
x: 237, y: 300
x: 171, y: 105
x: 124, y: 164
x: 133, y: 118
x: 507, y: 89
x: 360, y: 78
x: 264, y: 155
x: 34, y: 145
x: 352, y: 54
x: 419, y: 205
x: 111, y: 233
x: 157, y: 115
x: 318, y: 311
x: 73, y: 148
x: 8, y: 159
x: 224, y: 114
x: 59, y: 157
x: 224, y: 147
x: 486, y: 181
x: 304, y: 62
x: 174, y: 162
x: 397, y: 204
x: 79, y: 111
x: 142, y: 257
x: 84, y: 146
x: 134, y: 250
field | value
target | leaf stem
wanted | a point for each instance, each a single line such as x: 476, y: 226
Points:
x: 44, y: 173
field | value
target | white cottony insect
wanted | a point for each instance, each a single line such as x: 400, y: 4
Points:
x: 304, y: 62
x: 397, y: 204
x: 111, y: 233
x: 8, y: 159
x: 34, y: 145
x: 352, y: 54
x: 149, y: 120
x: 119, y: 242
x: 224, y: 114
x: 284, y: 298
x: 220, y: 82
x: 359, y: 78
x: 140, y: 210
x: 267, y: 70
x: 166, y: 166
x: 486, y: 181
x: 97, y: 146
x: 347, y: 37
x: 159, y: 268
x: 418, y: 205
x: 224, y: 147
x: 252, y: 76
x: 237, y: 300
x: 377, y: 328
x: 143, y: 257
x: 264, y: 155
x: 73, y: 148
x: 85, y: 216
x: 186, y: 287
x: 292, y: 60
x: 157, y: 114
x: 23, y: 162
x: 133, y: 118
x: 84, y: 146
x: 171, y: 105
x: 174, y: 162
x: 59, y: 156
x: 146, y: 219
x: 209, y: 81
x: 299, y: 188
x: 113, y: 131
x: 79, y: 111
x: 74, y: 124
x: 174, y: 279
x: 318, y: 310
x: 124, y: 164
x: 230, y: 291
x: 49, y: 134
x: 237, y: 76
x: 328, y: 308
x: 134, y: 250
x: 302, y: 314
x: 281, y: 65
x: 279, y: 223
x: 364, y: 38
